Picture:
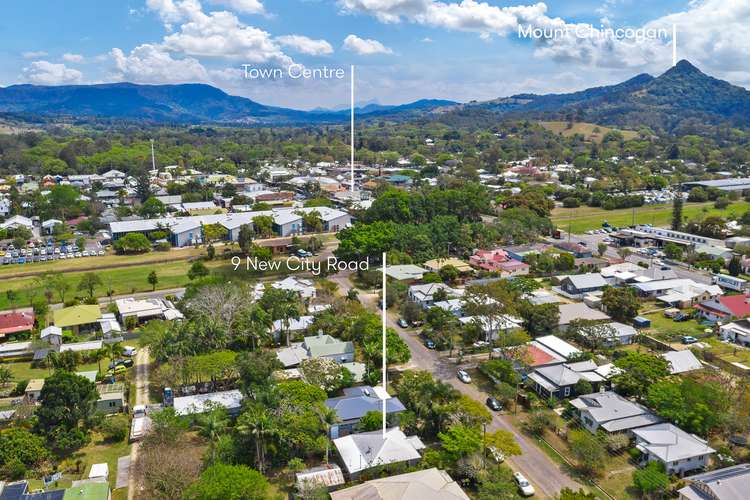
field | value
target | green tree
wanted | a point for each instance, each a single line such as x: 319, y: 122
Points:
x: 214, y: 232
x: 735, y: 266
x: 589, y: 453
x: 621, y: 303
x: 211, y: 425
x: 460, y: 440
x: 673, y: 251
x: 245, y: 238
x: 652, y: 480
x: 568, y: 494
x: 639, y: 372
x: 229, y: 482
x: 263, y: 226
x: 18, y: 445
x: 88, y: 283
x: 153, y: 279
x: 152, y: 207
x: 197, y: 270
x: 677, y: 210
x: 540, y: 319
x: 67, y: 403
x: 132, y: 243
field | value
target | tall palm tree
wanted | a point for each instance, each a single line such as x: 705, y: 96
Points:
x: 114, y: 350
x: 327, y: 417
x: 257, y: 424
x: 212, y: 425
x: 288, y: 311
x: 99, y: 355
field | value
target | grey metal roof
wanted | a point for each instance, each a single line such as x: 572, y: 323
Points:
x: 669, y: 443
x: 607, y: 406
x: 356, y: 403
x: 729, y: 483
x: 583, y: 281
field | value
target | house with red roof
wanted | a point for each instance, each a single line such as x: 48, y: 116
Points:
x: 16, y: 321
x: 725, y: 307
x: 498, y: 261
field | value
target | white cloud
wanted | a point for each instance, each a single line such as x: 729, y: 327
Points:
x: 47, y: 73
x: 243, y: 6
x: 152, y: 64
x: 34, y: 54
x: 365, y: 46
x: 306, y: 45
x: 72, y: 58
x: 174, y: 11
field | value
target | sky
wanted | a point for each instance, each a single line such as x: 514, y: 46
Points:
x: 403, y: 50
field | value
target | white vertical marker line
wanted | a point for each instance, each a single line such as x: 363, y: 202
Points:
x: 674, y: 45
x: 351, y: 162
x: 385, y: 381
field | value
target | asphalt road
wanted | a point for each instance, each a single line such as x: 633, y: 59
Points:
x: 545, y: 475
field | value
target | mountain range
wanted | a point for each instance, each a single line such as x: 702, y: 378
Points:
x: 683, y: 93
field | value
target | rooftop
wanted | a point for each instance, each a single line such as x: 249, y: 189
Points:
x: 434, y: 484
x: 76, y: 315
x: 669, y: 443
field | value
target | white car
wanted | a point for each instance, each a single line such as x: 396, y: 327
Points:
x: 129, y: 351
x: 523, y: 484
x: 463, y: 376
x: 497, y: 455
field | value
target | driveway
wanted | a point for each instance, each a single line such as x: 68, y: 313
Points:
x: 547, y: 476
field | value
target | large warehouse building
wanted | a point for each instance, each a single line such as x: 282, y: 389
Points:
x: 185, y: 231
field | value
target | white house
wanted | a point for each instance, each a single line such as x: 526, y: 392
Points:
x: 677, y: 450
x: 682, y: 361
x: 302, y: 287
x: 611, y: 412
x: 424, y: 294
x: 365, y: 450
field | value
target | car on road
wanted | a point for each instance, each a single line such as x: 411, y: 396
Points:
x: 429, y: 344
x: 464, y: 376
x: 523, y: 484
x: 689, y: 339
x: 403, y: 323
x: 494, y: 404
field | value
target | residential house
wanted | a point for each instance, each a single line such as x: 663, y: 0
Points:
x: 424, y: 294
x: 611, y: 413
x: 435, y: 265
x: 492, y: 327
x: 721, y: 253
x: 111, y: 398
x: 677, y: 450
x: 498, y: 261
x: 292, y: 326
x: 408, y: 273
x: 577, y: 285
x: 356, y: 403
x: 17, y: 221
x: 559, y: 380
x: 363, y: 451
x: 16, y: 321
x: 432, y: 484
x: 557, y: 346
x: 33, y: 390
x: 579, y: 251
x: 725, y: 308
x: 200, y: 403
x: 682, y: 361
x: 729, y: 483
x: 737, y: 331
x: 78, y: 317
x: 145, y: 309
x: 302, y: 287
x: 680, y: 293
x: 613, y: 334
x: 316, y: 346
x: 578, y: 310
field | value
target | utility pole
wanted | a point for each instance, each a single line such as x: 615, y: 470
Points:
x: 153, y: 157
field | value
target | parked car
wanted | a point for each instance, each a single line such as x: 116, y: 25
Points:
x: 689, y: 339
x: 681, y: 317
x: 523, y: 484
x: 464, y: 376
x: 494, y: 404
x: 429, y: 344
x: 129, y: 351
x: 403, y: 323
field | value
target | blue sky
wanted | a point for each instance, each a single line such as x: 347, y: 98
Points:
x: 403, y: 49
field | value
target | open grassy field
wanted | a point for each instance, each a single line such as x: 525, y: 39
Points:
x: 585, y: 218
x: 24, y: 370
x: 590, y: 131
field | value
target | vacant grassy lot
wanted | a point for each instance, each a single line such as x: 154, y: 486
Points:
x: 665, y: 329
x: 24, y: 370
x: 590, y: 131
x: 585, y: 218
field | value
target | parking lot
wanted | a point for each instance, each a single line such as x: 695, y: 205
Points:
x: 41, y: 252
